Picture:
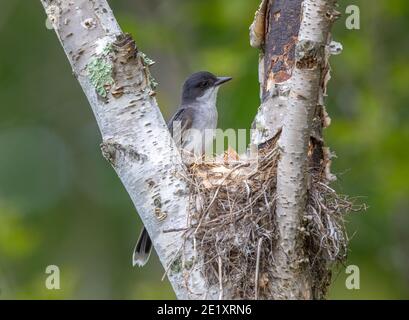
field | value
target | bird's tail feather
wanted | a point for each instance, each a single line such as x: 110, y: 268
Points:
x: 142, y: 249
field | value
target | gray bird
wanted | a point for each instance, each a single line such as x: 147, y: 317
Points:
x: 197, y: 111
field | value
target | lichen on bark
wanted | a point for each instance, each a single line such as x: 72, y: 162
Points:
x: 99, y: 71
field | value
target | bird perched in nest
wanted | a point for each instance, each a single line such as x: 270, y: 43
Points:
x: 196, y: 114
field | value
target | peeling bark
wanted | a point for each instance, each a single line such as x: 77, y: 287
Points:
x: 115, y: 77
x: 277, y: 56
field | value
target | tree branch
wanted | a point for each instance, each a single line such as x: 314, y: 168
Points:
x: 115, y: 77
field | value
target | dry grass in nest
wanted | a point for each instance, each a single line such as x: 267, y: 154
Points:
x: 232, y: 218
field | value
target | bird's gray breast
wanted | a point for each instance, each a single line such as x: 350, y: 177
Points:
x: 205, y: 117
x: 206, y: 110
x: 204, y: 123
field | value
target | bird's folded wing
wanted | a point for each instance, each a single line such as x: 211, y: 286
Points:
x: 181, y: 121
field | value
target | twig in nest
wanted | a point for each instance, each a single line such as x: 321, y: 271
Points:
x: 220, y: 279
x: 260, y: 242
x: 215, y: 195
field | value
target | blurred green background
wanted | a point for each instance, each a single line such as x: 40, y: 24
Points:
x: 62, y: 204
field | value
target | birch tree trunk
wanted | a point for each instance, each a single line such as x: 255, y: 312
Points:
x: 294, y: 69
x: 114, y: 75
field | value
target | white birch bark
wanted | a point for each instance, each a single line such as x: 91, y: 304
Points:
x: 306, y: 87
x: 115, y: 77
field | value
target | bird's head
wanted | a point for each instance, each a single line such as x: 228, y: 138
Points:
x: 202, y: 86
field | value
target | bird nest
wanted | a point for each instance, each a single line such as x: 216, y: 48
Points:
x: 233, y: 222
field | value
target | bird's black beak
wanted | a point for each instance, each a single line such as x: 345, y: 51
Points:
x: 221, y: 80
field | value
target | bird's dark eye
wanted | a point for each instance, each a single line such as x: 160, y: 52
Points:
x: 203, y: 84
